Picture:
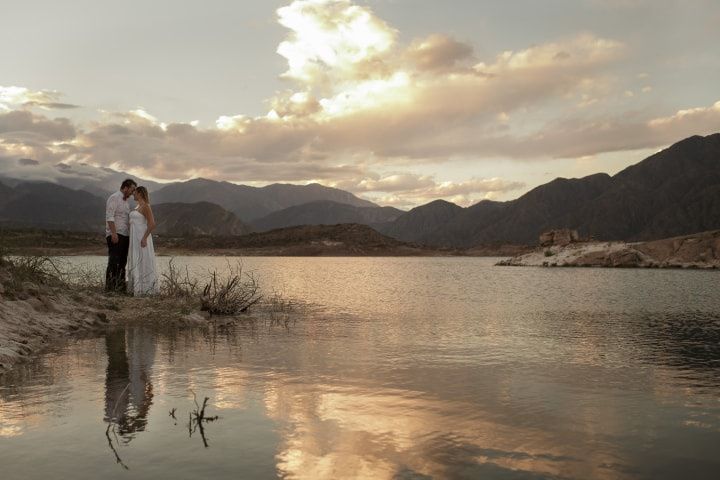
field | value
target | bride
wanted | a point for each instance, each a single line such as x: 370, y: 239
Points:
x: 142, y: 271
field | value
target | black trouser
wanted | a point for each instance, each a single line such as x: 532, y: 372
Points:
x: 117, y: 259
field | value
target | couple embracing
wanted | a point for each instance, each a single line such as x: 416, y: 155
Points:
x: 131, y: 255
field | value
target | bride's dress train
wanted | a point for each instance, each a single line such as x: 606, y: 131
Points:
x: 142, y: 271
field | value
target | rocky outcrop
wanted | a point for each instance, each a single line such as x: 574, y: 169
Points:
x: 561, y: 237
x: 701, y: 250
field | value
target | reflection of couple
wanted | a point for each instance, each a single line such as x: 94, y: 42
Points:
x: 128, y: 385
x: 129, y: 241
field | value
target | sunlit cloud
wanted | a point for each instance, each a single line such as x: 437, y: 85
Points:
x: 409, y: 189
x: 331, y: 40
x: 359, y: 103
x: 21, y: 96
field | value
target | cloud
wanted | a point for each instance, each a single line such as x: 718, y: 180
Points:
x: 50, y: 105
x: 27, y: 161
x: 438, y: 52
x: 19, y: 125
x: 574, y: 137
x: 356, y: 93
x: 359, y: 102
x: 44, y: 99
x: 620, y: 4
x: 407, y: 189
x: 332, y: 40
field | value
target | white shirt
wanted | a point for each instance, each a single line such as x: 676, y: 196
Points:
x: 117, y: 210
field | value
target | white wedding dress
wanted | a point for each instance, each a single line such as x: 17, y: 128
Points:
x: 141, y: 269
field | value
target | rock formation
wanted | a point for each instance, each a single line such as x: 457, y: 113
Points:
x: 560, y: 237
x: 701, y: 250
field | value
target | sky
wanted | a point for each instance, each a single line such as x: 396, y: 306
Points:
x: 398, y: 101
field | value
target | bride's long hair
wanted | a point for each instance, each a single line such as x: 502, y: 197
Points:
x: 142, y: 192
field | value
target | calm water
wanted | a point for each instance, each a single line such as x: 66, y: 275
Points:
x: 402, y: 368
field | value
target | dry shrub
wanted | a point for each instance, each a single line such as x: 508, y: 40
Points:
x: 233, y: 295
x: 84, y: 277
x: 177, y: 282
x: 279, y: 309
x: 34, y: 270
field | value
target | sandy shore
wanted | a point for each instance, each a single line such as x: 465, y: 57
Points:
x: 33, y: 316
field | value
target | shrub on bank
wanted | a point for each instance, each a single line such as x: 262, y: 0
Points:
x: 231, y: 292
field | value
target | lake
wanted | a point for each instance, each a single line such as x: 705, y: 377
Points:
x: 399, y: 368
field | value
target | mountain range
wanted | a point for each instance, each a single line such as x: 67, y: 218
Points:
x: 50, y: 206
x: 251, y: 203
x: 100, y: 181
x: 674, y: 192
x: 53, y: 206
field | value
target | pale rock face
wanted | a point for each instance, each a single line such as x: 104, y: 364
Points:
x: 561, y: 237
x: 701, y: 250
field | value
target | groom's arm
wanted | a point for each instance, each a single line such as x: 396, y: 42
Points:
x: 110, y: 208
x: 113, y: 233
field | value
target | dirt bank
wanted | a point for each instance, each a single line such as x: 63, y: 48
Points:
x: 32, y: 316
x: 38, y: 310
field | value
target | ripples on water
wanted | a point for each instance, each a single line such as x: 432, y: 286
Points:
x: 402, y: 368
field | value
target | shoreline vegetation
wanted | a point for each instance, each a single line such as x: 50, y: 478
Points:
x: 43, y: 300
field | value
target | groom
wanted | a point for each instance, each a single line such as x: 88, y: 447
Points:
x: 117, y: 217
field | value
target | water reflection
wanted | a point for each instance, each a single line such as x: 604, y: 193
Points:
x: 487, y: 376
x: 128, y: 384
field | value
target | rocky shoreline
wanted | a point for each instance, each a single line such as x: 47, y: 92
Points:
x: 697, y: 251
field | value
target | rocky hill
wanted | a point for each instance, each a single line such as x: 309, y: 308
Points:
x: 6, y: 194
x: 419, y: 222
x: 193, y: 219
x: 51, y: 206
x: 326, y: 213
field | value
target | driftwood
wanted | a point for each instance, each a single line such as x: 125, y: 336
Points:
x: 196, y: 419
x: 111, y: 427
